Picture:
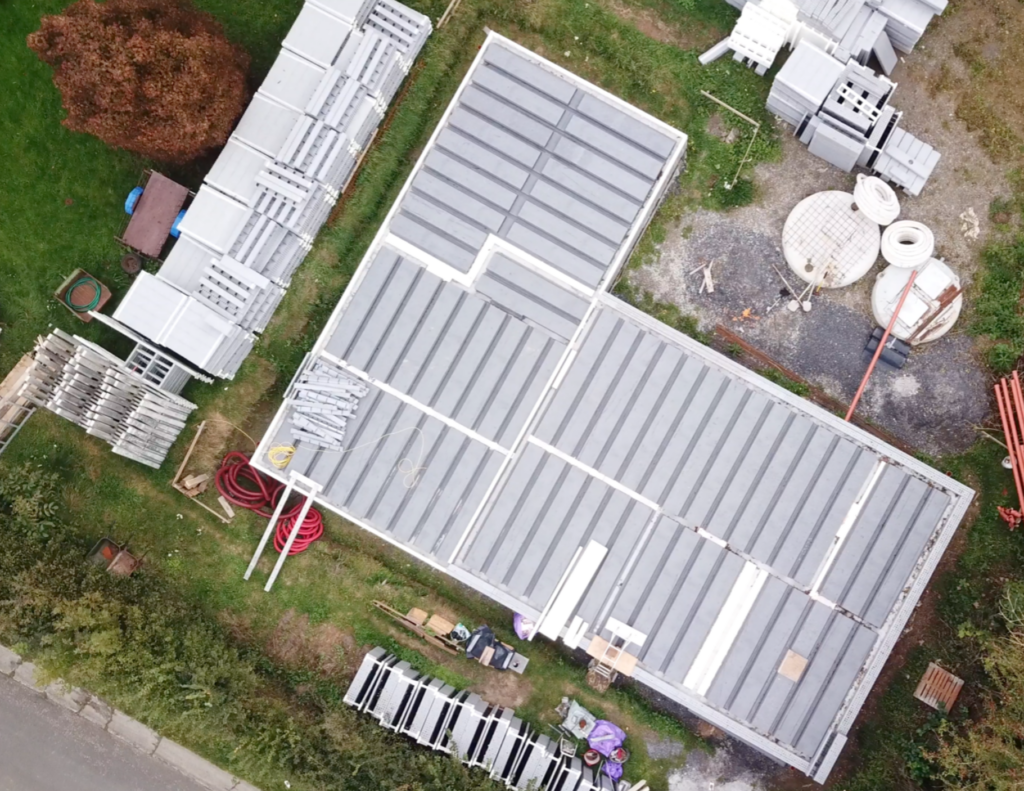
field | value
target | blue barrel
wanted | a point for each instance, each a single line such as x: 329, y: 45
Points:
x: 131, y: 200
x: 177, y: 221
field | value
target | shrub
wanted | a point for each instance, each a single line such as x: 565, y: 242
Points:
x: 156, y: 77
x: 159, y: 656
x: 989, y: 754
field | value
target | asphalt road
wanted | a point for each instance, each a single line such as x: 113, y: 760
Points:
x: 46, y: 748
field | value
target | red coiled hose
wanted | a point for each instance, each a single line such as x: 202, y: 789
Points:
x: 244, y: 486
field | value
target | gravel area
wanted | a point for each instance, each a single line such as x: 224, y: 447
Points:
x: 932, y: 403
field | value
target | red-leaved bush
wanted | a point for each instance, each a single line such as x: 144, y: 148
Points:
x: 157, y: 77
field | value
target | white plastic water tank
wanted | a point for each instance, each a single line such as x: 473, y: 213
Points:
x: 827, y: 241
x: 930, y: 310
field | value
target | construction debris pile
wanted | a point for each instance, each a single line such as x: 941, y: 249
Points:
x: 324, y: 398
x: 838, y: 105
x: 274, y: 184
x: 438, y: 716
x: 94, y: 389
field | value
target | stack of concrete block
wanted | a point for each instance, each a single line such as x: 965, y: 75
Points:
x: 803, y: 83
x: 324, y: 398
x: 275, y: 183
x: 440, y: 717
x: 94, y: 389
x: 851, y: 23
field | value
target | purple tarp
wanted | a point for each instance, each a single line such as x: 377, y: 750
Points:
x: 606, y: 738
x: 524, y: 626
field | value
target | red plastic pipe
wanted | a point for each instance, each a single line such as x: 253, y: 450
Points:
x: 881, y: 345
x: 244, y: 486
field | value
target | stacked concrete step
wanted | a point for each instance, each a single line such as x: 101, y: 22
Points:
x: 438, y: 716
x: 275, y: 183
x: 101, y: 393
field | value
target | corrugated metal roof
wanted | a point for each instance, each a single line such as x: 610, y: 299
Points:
x: 532, y: 159
x: 769, y: 552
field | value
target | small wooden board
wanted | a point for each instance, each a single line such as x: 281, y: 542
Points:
x: 615, y: 658
x: 439, y: 626
x: 938, y: 688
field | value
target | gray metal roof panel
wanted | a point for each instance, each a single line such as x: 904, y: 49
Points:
x: 405, y: 473
x: 592, y: 169
x: 465, y: 356
x: 525, y: 293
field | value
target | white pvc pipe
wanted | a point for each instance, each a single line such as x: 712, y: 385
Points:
x: 907, y: 244
x: 270, y: 527
x: 876, y: 199
x: 306, y: 505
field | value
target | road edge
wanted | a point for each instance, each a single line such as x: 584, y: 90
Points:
x: 120, y: 726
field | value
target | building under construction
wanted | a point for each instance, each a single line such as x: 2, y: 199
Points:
x: 480, y: 399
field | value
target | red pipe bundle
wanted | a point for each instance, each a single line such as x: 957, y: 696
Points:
x: 1010, y: 400
x: 244, y: 486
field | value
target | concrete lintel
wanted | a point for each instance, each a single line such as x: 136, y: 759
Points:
x: 134, y: 732
x: 190, y: 764
x: 9, y: 661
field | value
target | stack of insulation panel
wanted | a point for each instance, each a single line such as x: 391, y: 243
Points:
x: 442, y: 718
x: 324, y: 398
x: 94, y: 389
x: 274, y: 184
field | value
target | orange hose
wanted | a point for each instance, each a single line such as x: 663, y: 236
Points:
x: 881, y: 345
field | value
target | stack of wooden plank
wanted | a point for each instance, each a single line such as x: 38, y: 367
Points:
x: 96, y: 390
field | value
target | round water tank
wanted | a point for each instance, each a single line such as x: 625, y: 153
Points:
x: 827, y: 241
x: 931, y: 308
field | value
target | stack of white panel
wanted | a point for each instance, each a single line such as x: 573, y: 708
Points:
x: 803, y: 83
x: 274, y: 184
x: 185, y: 325
x: 440, y: 717
x: 159, y: 369
x: 94, y: 389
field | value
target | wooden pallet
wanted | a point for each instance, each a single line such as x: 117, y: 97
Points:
x: 938, y: 688
x: 413, y: 621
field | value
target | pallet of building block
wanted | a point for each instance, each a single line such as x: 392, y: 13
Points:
x: 270, y: 249
x: 378, y: 65
x: 407, y: 28
x: 299, y: 204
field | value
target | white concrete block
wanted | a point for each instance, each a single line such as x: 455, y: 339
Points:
x: 9, y: 661
x: 71, y: 698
